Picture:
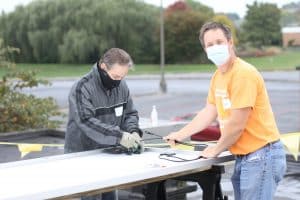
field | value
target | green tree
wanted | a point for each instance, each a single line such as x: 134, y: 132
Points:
x: 262, y: 25
x: 198, y: 7
x: 182, y: 26
x: 77, y: 47
x: 44, y: 30
x: 290, y: 14
x: 13, y: 30
x: 18, y: 110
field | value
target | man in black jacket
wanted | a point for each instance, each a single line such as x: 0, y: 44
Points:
x: 101, y: 111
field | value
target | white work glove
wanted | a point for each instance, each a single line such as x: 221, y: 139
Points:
x: 130, y: 142
x: 141, y: 142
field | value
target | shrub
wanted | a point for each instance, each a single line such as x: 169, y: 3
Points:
x: 19, y: 111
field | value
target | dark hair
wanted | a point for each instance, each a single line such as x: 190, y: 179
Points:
x: 116, y: 56
x: 211, y: 26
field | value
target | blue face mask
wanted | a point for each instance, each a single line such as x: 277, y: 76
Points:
x: 218, y: 54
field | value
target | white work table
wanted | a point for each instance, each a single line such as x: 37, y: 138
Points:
x: 74, y: 174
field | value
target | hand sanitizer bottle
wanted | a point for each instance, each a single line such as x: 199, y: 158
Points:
x: 154, y: 117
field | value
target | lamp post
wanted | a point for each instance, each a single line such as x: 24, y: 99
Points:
x: 162, y: 84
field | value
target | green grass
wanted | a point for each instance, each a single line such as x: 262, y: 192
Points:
x: 54, y: 70
x: 284, y: 61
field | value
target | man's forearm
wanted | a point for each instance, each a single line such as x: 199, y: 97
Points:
x: 200, y: 122
x: 233, y: 128
x: 229, y: 136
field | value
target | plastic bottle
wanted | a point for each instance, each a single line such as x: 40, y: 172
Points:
x: 154, y: 117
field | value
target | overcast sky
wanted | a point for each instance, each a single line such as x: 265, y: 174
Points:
x: 235, y: 6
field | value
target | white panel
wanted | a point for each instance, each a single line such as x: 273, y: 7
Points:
x: 62, y: 175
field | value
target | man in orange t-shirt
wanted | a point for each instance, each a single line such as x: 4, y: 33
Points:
x: 239, y: 99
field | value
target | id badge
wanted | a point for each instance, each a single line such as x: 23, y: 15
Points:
x: 119, y: 111
x: 226, y: 103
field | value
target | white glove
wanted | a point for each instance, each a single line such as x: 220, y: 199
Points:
x: 136, y: 136
x: 130, y: 142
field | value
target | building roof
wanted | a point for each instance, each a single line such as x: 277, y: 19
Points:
x: 294, y: 29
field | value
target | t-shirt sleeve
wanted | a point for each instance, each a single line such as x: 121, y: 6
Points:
x: 243, y: 92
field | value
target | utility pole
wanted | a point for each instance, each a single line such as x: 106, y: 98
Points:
x: 162, y: 84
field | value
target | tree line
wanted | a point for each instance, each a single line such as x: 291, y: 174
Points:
x: 71, y: 31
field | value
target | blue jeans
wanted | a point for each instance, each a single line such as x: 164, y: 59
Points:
x: 256, y: 175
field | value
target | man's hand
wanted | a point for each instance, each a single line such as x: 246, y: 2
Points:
x: 209, y: 152
x: 172, y: 138
x: 131, y: 142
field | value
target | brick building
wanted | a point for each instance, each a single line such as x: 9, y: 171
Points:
x: 291, y: 36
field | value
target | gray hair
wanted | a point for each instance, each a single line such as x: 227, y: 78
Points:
x: 212, y: 26
x: 116, y: 56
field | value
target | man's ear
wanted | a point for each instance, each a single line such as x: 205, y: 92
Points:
x: 230, y: 41
x: 103, y: 66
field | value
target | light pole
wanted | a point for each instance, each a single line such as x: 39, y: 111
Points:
x: 162, y: 84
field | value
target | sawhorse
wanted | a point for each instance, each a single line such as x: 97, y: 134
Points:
x: 209, y: 181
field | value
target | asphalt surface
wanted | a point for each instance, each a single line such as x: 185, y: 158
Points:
x: 187, y: 94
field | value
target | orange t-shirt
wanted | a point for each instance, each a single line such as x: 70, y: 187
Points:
x: 240, y: 87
